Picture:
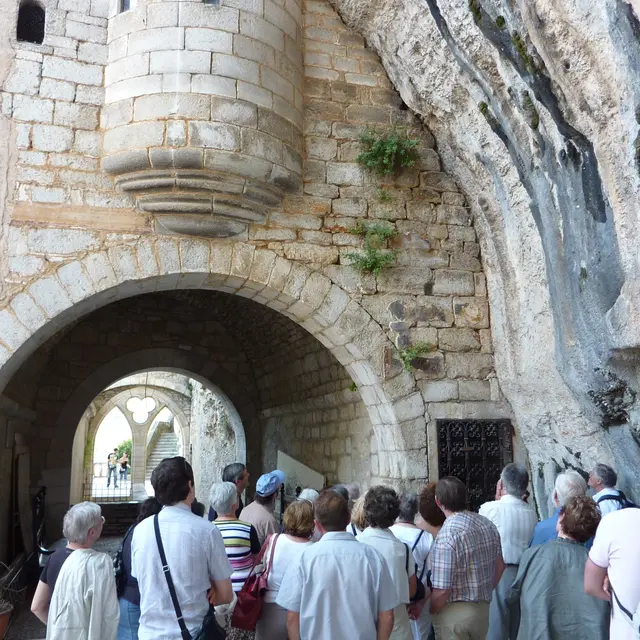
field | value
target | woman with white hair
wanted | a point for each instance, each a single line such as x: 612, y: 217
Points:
x: 240, y: 538
x: 76, y: 596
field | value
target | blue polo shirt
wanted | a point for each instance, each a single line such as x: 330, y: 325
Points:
x: 546, y: 531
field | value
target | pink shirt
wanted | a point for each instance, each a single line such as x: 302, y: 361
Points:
x: 617, y: 549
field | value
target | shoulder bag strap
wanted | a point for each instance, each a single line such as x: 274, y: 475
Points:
x: 167, y: 574
x: 415, y: 544
x: 622, y: 607
x: 406, y: 551
x: 274, y: 539
x: 353, y: 529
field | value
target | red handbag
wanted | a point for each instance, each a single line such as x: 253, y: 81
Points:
x: 250, y: 598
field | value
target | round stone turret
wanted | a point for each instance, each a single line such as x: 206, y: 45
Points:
x: 203, y: 110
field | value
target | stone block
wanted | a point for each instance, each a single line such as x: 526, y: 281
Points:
x: 91, y: 52
x: 465, y: 261
x: 469, y: 365
x: 311, y: 253
x: 164, y: 105
x: 453, y: 198
x: 85, y: 32
x: 452, y: 282
x: 116, y: 114
x: 51, y: 138
x: 132, y: 88
x: 430, y: 259
x: 25, y: 77
x: 471, y: 312
x: 27, y: 312
x: 349, y: 207
x: 262, y: 145
x: 368, y: 114
x: 474, y: 389
x: 49, y: 296
x: 208, y: 40
x: 180, y: 62
x: 438, y: 390
x: 215, y: 85
x: 87, y: 142
x: 277, y: 126
x: 176, y: 133
x: 61, y: 242
x: 361, y: 79
x: 344, y: 173
x: 30, y: 109
x: 454, y: 339
x: 438, y: 181
x: 75, y: 281
x: 78, y: 116
x: 132, y: 136
x: 257, y: 95
x: 90, y: 95
x: 430, y: 367
x: 100, y: 271
x: 267, y: 233
x: 162, y: 39
x: 214, y: 135
x: 463, y: 234
x: 451, y: 214
x: 14, y: 333
x: 72, y: 71
x: 129, y: 67
x: 276, y: 83
x: 57, y: 89
x: 404, y: 280
x: 163, y: 14
x: 194, y: 14
x: 49, y: 195
x: 422, y: 211
x: 425, y: 335
x: 387, y: 211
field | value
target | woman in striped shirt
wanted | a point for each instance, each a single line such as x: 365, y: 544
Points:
x: 240, y: 538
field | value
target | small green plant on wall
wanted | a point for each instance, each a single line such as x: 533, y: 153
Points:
x: 386, y: 153
x: 416, y: 350
x: 385, y: 196
x: 375, y: 256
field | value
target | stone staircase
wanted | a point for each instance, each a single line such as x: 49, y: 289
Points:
x: 165, y: 446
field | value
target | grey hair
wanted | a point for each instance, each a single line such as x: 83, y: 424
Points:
x: 408, y: 506
x: 354, y: 491
x: 310, y: 495
x: 79, y: 519
x: 222, y: 497
x: 607, y: 475
x: 233, y: 472
x: 569, y: 485
x: 515, y: 479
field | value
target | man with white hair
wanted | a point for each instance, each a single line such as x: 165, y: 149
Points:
x: 568, y: 485
x: 515, y: 521
x: 76, y: 596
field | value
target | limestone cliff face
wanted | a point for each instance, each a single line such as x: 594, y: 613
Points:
x: 535, y: 107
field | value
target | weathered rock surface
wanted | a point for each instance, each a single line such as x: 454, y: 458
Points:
x: 535, y: 108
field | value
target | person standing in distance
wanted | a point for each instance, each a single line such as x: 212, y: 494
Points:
x: 237, y: 473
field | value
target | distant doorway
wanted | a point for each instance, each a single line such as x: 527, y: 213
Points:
x: 475, y: 451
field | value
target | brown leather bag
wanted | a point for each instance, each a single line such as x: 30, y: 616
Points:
x: 251, y: 597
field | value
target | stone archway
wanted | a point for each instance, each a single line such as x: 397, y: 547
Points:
x: 85, y: 436
x: 312, y: 300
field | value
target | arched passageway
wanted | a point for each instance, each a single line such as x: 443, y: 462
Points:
x: 287, y: 360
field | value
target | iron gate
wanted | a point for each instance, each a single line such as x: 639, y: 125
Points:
x: 475, y: 451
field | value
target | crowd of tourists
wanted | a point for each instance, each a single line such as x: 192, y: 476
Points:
x: 348, y: 567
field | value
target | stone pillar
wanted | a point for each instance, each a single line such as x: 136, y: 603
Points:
x: 203, y: 110
x: 138, y: 459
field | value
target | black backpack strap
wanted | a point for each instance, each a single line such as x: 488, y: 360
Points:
x: 415, y: 544
x: 619, y: 498
x: 622, y: 607
x: 167, y: 574
x: 406, y: 550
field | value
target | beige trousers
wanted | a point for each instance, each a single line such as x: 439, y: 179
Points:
x: 462, y: 621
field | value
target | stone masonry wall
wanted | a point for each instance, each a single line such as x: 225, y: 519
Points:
x: 86, y: 237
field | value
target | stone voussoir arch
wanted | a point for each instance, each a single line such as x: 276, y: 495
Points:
x: 311, y: 299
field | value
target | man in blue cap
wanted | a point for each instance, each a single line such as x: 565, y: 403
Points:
x: 260, y: 512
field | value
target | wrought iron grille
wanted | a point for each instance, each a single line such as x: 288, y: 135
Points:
x: 475, y: 451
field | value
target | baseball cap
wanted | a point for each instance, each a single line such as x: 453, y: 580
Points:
x: 269, y: 483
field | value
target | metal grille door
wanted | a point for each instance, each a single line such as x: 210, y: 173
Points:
x: 475, y: 451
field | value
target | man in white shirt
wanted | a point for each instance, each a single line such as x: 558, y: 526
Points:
x: 338, y: 589
x: 616, y: 555
x: 515, y: 521
x: 603, y: 480
x: 195, y: 555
